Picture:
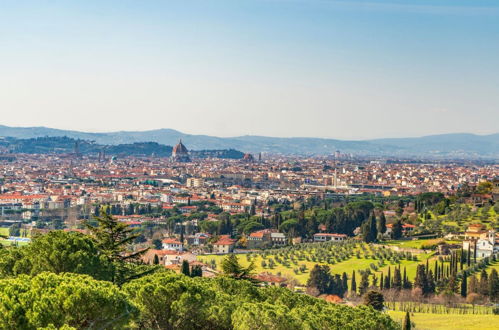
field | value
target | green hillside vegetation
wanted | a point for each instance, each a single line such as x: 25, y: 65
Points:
x: 68, y: 280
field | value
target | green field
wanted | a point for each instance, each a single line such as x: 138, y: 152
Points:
x: 419, y: 244
x: 4, y: 231
x: 347, y: 266
x: 428, y: 321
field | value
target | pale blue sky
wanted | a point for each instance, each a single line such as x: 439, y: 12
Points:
x: 339, y: 69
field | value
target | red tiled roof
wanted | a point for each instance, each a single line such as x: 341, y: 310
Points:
x: 171, y: 241
x: 330, y: 235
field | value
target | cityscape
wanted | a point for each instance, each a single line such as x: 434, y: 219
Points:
x: 249, y: 165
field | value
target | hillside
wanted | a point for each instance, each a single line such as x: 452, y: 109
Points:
x: 66, y: 145
x: 438, y: 146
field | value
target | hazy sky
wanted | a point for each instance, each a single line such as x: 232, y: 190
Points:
x: 339, y: 69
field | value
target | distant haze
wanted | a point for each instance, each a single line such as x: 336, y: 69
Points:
x: 333, y: 69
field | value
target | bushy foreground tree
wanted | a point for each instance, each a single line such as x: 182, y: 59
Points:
x: 171, y: 301
x: 51, y: 300
x: 56, y: 252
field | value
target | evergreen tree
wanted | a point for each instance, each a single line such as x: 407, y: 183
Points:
x: 232, y: 268
x: 156, y: 260
x: 196, y: 271
x: 320, y: 279
x: 113, y: 238
x: 464, y: 285
x: 468, y: 258
x: 421, y: 281
x: 388, y: 279
x: 407, y: 322
x: 451, y: 284
x: 369, y: 231
x: 483, y: 286
x: 381, y: 283
x: 353, y: 285
x: 374, y: 299
x: 344, y: 282
x: 494, y: 286
x: 364, y: 283
x: 431, y: 282
x: 382, y: 223
x: 406, y: 283
x: 185, y: 268
x: 397, y: 229
x: 397, y: 279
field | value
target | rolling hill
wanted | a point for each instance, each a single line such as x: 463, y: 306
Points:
x: 459, y: 145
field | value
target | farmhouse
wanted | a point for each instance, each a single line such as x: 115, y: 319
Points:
x: 326, y: 237
x: 172, y: 244
x: 224, y: 245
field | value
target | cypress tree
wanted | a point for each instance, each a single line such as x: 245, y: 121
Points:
x: 381, y: 223
x: 407, y: 284
x: 431, y: 282
x: 468, y: 258
x: 397, y: 229
x: 388, y: 279
x: 156, y: 260
x: 420, y: 281
x: 494, y: 286
x: 461, y: 259
x: 452, y: 284
x: 397, y: 279
x: 353, y: 285
x: 381, y: 284
x: 483, y: 286
x: 464, y: 285
x: 407, y: 322
x: 369, y: 231
x: 344, y: 282
x: 185, y: 268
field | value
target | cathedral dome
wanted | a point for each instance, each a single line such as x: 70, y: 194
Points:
x: 248, y: 158
x: 180, y: 148
x: 180, y: 153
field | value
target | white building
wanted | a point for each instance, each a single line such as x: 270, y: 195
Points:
x: 486, y: 245
x: 326, y: 237
x: 172, y: 244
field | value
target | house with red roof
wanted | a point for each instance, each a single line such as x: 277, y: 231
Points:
x: 172, y: 244
x: 224, y: 245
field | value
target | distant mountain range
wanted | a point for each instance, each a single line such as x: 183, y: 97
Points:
x: 67, y: 145
x: 459, y: 145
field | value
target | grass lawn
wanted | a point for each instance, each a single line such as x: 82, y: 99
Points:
x: 450, y: 321
x: 4, y: 231
x: 417, y: 244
